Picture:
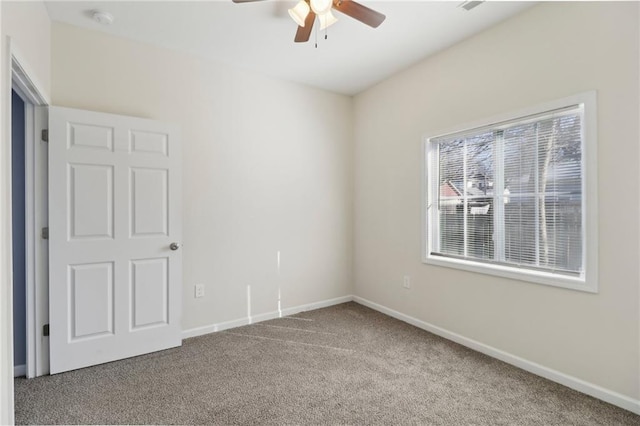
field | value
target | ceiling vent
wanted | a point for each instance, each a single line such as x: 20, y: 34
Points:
x: 468, y: 5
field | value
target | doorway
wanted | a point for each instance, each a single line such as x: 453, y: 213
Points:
x: 28, y: 161
x: 17, y: 76
x: 18, y: 210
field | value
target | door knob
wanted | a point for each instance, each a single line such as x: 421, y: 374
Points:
x: 174, y: 246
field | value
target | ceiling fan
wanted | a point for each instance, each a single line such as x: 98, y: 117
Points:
x: 305, y: 12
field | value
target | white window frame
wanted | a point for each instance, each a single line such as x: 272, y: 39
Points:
x: 588, y: 279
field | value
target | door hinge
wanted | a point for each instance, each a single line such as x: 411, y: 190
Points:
x: 45, y: 233
x: 45, y: 135
x: 45, y: 330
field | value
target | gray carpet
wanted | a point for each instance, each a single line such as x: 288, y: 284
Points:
x: 345, y: 364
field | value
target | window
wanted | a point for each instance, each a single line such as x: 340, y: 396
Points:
x: 510, y: 198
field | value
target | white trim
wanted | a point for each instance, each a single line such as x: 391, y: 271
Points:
x: 19, y: 370
x: 534, y: 276
x: 212, y: 328
x: 588, y: 282
x: 29, y: 238
x: 575, y: 383
x: 41, y: 249
x: 23, y: 80
x: 29, y: 212
x: 316, y: 305
x: 6, y: 287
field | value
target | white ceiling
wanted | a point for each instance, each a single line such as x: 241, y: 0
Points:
x: 258, y: 36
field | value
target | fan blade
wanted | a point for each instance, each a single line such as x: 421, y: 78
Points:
x: 304, y: 33
x: 359, y: 12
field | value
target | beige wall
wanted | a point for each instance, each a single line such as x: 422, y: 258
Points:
x: 266, y: 168
x: 549, y: 52
x: 28, y: 25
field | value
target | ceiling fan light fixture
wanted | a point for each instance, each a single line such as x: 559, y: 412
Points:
x: 299, y: 12
x: 304, y: 14
x: 320, y: 7
x: 327, y: 19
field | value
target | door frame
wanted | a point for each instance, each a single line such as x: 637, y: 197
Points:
x: 22, y: 80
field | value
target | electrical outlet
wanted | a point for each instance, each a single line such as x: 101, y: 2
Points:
x: 199, y: 290
x: 406, y: 282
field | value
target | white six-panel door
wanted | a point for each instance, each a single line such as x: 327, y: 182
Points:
x: 114, y: 211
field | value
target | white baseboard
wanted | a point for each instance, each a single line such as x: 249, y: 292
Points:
x: 19, y: 370
x: 212, y: 328
x: 316, y: 305
x: 591, y: 389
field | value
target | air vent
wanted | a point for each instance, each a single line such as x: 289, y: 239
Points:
x: 468, y: 5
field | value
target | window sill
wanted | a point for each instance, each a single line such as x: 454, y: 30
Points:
x: 538, y: 277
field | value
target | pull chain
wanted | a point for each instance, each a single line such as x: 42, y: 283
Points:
x: 326, y: 30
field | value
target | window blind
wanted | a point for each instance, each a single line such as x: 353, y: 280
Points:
x: 511, y: 193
